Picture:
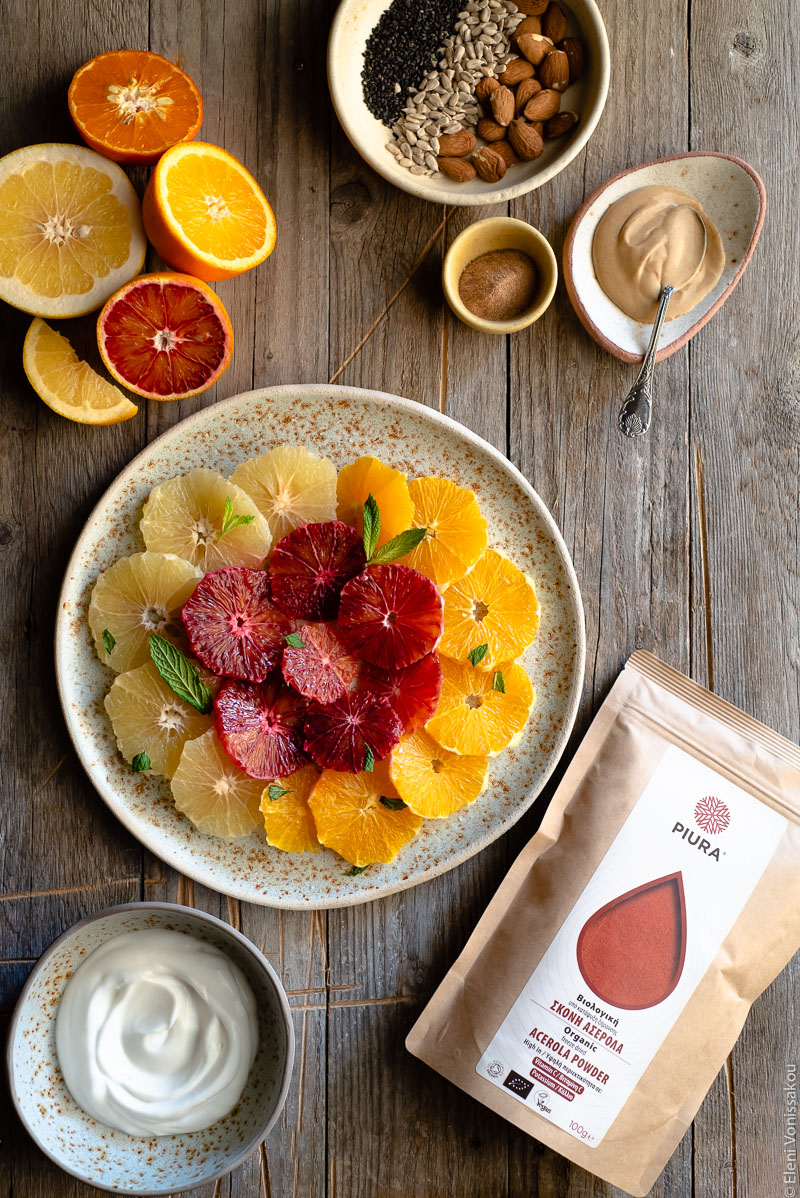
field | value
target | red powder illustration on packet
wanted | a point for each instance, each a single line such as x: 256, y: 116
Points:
x: 712, y: 815
x: 631, y: 951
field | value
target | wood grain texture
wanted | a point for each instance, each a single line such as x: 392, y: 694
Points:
x: 685, y: 543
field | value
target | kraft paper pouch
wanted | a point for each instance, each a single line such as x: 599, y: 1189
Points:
x: 609, y: 977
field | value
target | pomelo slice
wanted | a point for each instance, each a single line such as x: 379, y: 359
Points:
x: 290, y: 485
x: 148, y: 717
x: 66, y: 384
x: 217, y: 797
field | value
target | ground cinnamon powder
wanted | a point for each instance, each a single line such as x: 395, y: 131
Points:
x: 499, y: 285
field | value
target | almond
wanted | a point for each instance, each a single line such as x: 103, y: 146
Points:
x: 529, y: 25
x: 534, y: 46
x: 489, y: 164
x: 485, y: 88
x: 502, y: 101
x: 573, y: 49
x: 543, y: 105
x: 526, y: 91
x: 457, y: 145
x: 525, y: 139
x: 532, y: 8
x: 459, y: 169
x: 517, y: 70
x: 554, y: 23
x: 506, y: 152
x: 554, y: 71
x: 489, y: 130
x: 560, y: 124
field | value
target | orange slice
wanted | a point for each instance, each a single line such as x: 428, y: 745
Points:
x: 288, y: 820
x: 369, y: 476
x: 432, y: 781
x: 131, y: 105
x: 352, y: 819
x: 494, y: 605
x: 480, y: 711
x: 205, y: 214
x: 66, y: 384
x: 456, y: 535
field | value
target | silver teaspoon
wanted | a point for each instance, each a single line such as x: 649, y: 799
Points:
x: 637, y: 406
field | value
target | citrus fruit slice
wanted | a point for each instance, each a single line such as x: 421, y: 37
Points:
x: 148, y: 717
x: 205, y: 214
x: 317, y: 664
x: 481, y: 711
x: 494, y: 605
x: 290, y: 486
x: 66, y: 384
x: 456, y: 535
x: 260, y: 725
x: 352, y: 819
x: 310, y: 566
x: 217, y: 797
x: 390, y: 615
x: 165, y: 336
x: 131, y: 105
x: 369, y: 476
x: 349, y: 733
x: 187, y: 515
x: 432, y: 781
x: 138, y: 595
x: 72, y: 230
x: 288, y: 820
x: 413, y: 692
x: 233, y: 626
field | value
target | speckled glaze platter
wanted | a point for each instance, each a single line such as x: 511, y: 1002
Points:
x: 342, y: 423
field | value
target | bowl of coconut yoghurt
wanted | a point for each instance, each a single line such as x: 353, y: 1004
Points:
x: 151, y: 1049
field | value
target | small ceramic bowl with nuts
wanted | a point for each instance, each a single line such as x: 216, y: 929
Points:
x: 473, y: 107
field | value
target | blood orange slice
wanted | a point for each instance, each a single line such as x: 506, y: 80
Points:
x: 317, y: 664
x: 233, y: 626
x: 260, y: 725
x: 310, y: 566
x: 413, y: 692
x: 165, y: 336
x: 343, y: 735
x: 391, y: 616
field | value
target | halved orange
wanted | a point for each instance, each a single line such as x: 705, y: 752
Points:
x: 388, y: 487
x: 360, y: 817
x: 431, y: 780
x: 165, y: 336
x: 456, y: 530
x: 495, y: 605
x: 131, y: 105
x: 205, y: 214
x: 288, y: 820
x: 481, y: 711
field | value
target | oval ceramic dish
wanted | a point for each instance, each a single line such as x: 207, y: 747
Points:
x: 732, y: 194
x: 352, y: 25
x: 342, y: 423
x: 99, y: 1155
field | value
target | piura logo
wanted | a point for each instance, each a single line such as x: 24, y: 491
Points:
x: 712, y: 815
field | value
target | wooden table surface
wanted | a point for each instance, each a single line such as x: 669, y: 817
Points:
x: 685, y: 543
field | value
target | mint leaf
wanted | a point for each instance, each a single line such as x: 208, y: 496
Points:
x: 355, y: 870
x: 477, y: 654
x: 499, y: 682
x: 372, y: 525
x: 109, y: 641
x: 229, y: 521
x: 179, y: 673
x: 399, y: 546
x: 393, y: 804
x: 140, y: 762
x: 295, y: 641
x: 369, y: 759
x: 276, y: 792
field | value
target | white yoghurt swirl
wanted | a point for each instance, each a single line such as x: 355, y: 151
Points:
x: 156, y: 1033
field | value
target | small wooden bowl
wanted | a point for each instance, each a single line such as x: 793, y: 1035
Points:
x: 500, y: 233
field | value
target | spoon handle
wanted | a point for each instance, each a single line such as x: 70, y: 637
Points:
x: 634, y: 415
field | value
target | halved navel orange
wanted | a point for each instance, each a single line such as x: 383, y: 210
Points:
x: 132, y: 105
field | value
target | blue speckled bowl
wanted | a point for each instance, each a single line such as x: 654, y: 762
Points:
x: 110, y: 1159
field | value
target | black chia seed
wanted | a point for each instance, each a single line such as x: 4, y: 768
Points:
x: 401, y: 50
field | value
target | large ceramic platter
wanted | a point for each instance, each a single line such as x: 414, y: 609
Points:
x: 342, y: 423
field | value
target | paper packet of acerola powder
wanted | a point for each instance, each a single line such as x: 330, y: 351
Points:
x: 612, y: 972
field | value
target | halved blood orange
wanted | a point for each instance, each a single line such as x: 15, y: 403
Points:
x: 132, y: 105
x: 165, y: 336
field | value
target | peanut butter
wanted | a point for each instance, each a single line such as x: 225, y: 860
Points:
x: 648, y: 240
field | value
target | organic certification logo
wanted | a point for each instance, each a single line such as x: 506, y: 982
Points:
x: 712, y: 815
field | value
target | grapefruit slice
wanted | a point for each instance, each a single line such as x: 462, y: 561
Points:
x: 66, y: 384
x: 217, y: 797
x: 132, y: 105
x: 290, y: 485
x: 148, y: 717
x: 165, y: 336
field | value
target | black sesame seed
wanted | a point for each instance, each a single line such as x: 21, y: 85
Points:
x: 400, y: 51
